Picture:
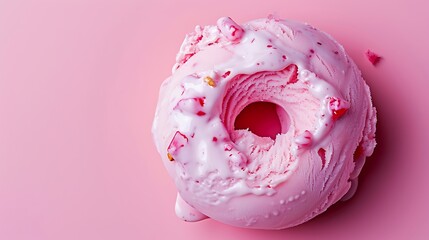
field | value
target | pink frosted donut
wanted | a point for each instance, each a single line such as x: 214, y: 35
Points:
x: 327, y: 124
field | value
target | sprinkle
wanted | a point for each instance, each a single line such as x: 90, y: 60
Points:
x: 338, y: 113
x: 338, y: 107
x: 210, y: 81
x: 372, y: 57
x: 201, y: 113
x: 170, y: 157
x: 179, y: 140
x: 226, y: 74
x: 230, y: 29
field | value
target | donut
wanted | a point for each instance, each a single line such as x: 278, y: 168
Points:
x: 326, y: 123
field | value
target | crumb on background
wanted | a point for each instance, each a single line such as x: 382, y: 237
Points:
x: 372, y: 57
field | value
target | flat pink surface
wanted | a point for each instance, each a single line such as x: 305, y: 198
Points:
x: 78, y: 86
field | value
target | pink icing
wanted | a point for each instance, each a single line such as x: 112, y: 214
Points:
x: 240, y: 178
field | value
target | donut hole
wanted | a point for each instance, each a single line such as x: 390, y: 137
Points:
x: 264, y: 119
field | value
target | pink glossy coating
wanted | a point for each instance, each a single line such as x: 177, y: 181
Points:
x: 79, y: 82
x: 327, y: 123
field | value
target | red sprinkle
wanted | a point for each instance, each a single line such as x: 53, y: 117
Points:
x: 201, y: 113
x: 338, y: 107
x: 201, y: 101
x: 372, y: 57
x: 226, y: 74
x: 199, y: 38
x: 338, y: 113
x: 269, y: 46
x: 214, y: 139
x: 187, y: 57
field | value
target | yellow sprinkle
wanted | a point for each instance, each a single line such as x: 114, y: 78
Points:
x: 170, y: 157
x: 210, y: 81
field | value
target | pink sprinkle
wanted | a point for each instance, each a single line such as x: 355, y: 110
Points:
x: 214, y: 139
x: 179, y: 140
x: 230, y: 29
x: 372, y: 57
x: 284, y: 57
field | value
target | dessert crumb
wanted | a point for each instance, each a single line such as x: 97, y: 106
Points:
x: 372, y: 57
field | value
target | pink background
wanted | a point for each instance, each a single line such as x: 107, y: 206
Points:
x: 78, y: 87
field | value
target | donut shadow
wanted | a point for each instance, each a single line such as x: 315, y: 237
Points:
x: 376, y: 173
x: 354, y: 212
x: 345, y: 213
x: 373, y: 176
